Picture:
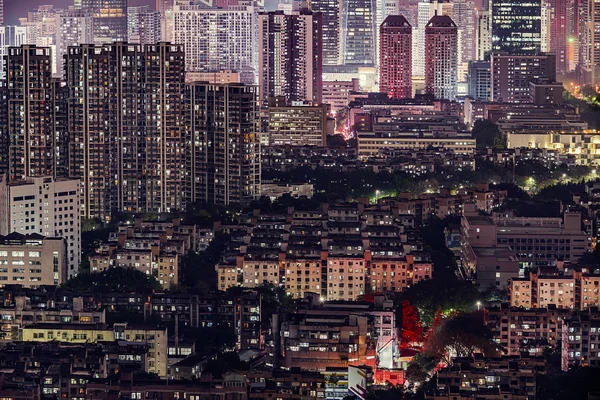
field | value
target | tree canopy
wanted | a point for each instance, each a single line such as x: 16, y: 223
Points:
x: 114, y: 279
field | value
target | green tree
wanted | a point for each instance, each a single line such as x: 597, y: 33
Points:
x: 460, y: 335
x: 487, y: 134
x: 114, y: 279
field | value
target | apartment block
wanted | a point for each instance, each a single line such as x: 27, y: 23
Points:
x: 581, y: 339
x: 525, y: 330
x: 509, y: 377
x: 574, y: 288
x: 304, y: 125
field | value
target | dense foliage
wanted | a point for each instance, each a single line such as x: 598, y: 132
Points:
x: 114, y: 279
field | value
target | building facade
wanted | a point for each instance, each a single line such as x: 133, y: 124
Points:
x: 32, y: 260
x: 224, y: 161
x: 395, y: 63
x: 441, y: 57
x: 290, y: 64
x: 517, y: 26
x: 47, y: 207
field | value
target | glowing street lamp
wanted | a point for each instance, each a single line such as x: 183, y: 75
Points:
x: 478, y: 305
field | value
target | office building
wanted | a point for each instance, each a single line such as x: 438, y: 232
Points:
x: 32, y: 260
x: 74, y: 27
x: 290, y: 62
x: 359, y: 33
x: 483, y: 35
x: 216, y: 39
x: 331, y: 15
x: 517, y: 26
x: 298, y: 125
x: 110, y: 20
x: 441, y: 57
x: 143, y: 25
x: 44, y: 206
x: 224, y: 162
x: 480, y: 80
x: 130, y: 155
x: 395, y: 64
x: 511, y: 75
x: 29, y: 111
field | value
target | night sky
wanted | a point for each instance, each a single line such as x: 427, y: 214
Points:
x: 15, y: 9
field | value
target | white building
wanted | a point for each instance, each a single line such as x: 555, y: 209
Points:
x: 143, y: 25
x: 10, y: 36
x: 74, y: 27
x: 44, y: 206
x: 484, y: 34
x: 216, y: 39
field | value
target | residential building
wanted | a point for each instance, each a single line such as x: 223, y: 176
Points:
x: 464, y: 16
x: 395, y: 63
x: 224, y: 162
x: 441, y: 57
x: 581, y: 340
x: 156, y: 337
x: 573, y: 289
x: 122, y: 166
x: 32, y: 260
x: 10, y: 36
x: 512, y: 74
x: 337, y: 93
x: 30, y: 140
x: 46, y: 206
x: 303, y: 125
x: 589, y: 38
x: 526, y: 330
x: 215, y: 39
x: 143, y: 25
x: 74, y: 27
x: 508, y: 377
x: 516, y: 26
x: 290, y: 64
x: 334, y: 334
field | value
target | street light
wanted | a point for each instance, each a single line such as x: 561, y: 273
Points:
x: 377, y: 195
x: 478, y: 305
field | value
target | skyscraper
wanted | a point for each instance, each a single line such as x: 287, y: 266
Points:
x: 480, y: 85
x: 143, y: 25
x: 517, y: 26
x: 290, y: 61
x: 127, y: 125
x: 165, y: 9
x: 589, y: 60
x: 425, y: 11
x: 331, y: 28
x: 395, y: 65
x: 29, y: 95
x: 224, y: 161
x: 74, y: 27
x: 463, y: 15
x: 216, y: 39
x: 1, y: 12
x: 359, y: 33
x: 484, y: 34
x: 441, y: 57
x: 110, y: 19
